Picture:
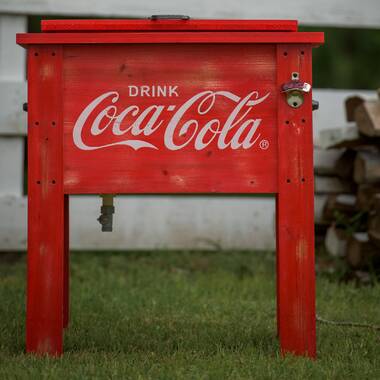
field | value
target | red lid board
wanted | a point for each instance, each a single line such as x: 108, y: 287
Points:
x: 168, y: 25
x: 169, y: 31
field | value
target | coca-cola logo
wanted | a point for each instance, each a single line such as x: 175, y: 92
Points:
x: 133, y: 126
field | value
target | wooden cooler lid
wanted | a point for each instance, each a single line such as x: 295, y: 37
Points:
x: 161, y: 29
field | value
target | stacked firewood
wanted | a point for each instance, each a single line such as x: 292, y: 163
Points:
x: 350, y: 214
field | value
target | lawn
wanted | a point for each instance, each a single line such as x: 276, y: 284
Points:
x: 185, y: 315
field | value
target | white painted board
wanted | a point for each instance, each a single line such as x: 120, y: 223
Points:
x: 12, y: 56
x: 308, y: 12
x: 13, y: 120
x: 156, y: 223
x: 12, y: 76
x: 11, y: 165
x: 177, y: 222
x: 13, y: 232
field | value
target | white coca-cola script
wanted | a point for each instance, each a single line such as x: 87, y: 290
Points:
x: 105, y: 115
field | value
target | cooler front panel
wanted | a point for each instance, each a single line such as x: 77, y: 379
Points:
x: 170, y: 118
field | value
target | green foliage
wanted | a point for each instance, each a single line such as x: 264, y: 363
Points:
x: 185, y: 315
x: 351, y: 224
x: 350, y: 58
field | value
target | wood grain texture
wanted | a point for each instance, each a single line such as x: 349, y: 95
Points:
x: 167, y: 25
x: 240, y: 69
x: 44, y: 321
x: 295, y: 214
x: 24, y: 39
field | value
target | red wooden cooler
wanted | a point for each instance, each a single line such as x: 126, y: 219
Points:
x: 169, y: 106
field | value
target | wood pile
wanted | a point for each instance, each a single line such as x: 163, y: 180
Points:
x: 347, y: 186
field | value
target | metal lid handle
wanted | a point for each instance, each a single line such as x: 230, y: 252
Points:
x: 169, y: 17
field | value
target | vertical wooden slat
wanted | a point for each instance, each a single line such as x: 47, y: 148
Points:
x: 11, y: 165
x: 12, y: 57
x: 296, y: 277
x: 12, y: 72
x: 45, y: 295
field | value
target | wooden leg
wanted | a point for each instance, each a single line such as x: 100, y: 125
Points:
x: 277, y: 272
x: 66, y: 265
x: 296, y: 277
x: 46, y: 204
x: 295, y: 210
x: 44, y: 321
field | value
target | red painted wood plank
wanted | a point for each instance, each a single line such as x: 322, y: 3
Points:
x: 198, y: 131
x: 315, y: 38
x: 295, y: 211
x: 167, y: 25
x: 66, y: 264
x: 44, y: 319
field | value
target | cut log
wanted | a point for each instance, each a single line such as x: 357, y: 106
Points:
x: 365, y: 196
x: 374, y: 236
x: 344, y: 203
x: 324, y: 161
x: 333, y: 185
x: 367, y: 167
x: 351, y: 103
x: 319, y: 204
x: 361, y: 252
x: 341, y: 138
x: 374, y: 221
x: 367, y: 117
x: 336, y: 241
x: 325, y: 171
x: 321, y: 228
x: 376, y: 202
x: 344, y: 166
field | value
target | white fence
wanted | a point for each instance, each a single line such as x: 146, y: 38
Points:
x: 151, y: 221
x: 348, y: 13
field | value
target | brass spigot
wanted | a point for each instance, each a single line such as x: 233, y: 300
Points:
x: 106, y: 212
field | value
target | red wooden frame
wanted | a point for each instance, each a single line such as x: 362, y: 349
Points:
x: 67, y: 71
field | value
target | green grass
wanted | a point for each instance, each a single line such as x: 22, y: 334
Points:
x: 167, y: 315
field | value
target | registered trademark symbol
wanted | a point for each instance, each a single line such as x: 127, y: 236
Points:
x: 264, y: 144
